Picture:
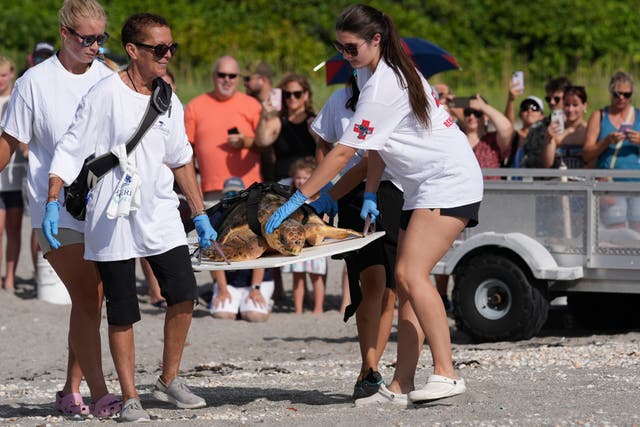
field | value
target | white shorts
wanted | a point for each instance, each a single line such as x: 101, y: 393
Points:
x: 239, y: 301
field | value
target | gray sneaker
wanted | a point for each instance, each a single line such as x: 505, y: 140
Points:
x: 178, y: 393
x: 132, y: 412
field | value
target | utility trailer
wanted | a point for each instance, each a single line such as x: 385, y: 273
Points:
x: 541, y: 236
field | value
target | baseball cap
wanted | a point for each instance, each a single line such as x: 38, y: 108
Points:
x: 232, y: 185
x: 532, y: 100
x: 258, y: 67
x: 42, y: 51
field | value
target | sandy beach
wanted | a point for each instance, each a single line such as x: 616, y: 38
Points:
x: 299, y: 370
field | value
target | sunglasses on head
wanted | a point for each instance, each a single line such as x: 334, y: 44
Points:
x: 91, y: 39
x: 556, y: 99
x: 470, y: 111
x: 296, y: 93
x: 618, y: 94
x: 350, y: 49
x: 529, y: 107
x: 160, y: 50
x: 225, y: 75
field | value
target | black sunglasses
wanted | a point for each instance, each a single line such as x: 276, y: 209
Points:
x: 618, y: 94
x: 160, y: 50
x: 350, y: 49
x: 225, y: 75
x: 556, y: 99
x: 296, y: 93
x: 469, y: 111
x: 89, y: 40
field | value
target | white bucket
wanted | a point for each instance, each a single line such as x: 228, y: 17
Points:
x: 50, y: 287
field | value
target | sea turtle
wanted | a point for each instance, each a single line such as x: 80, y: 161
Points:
x: 240, y: 243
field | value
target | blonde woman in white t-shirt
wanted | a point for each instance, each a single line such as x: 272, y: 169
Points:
x: 42, y: 106
x: 402, y: 125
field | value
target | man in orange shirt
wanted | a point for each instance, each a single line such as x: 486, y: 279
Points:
x: 221, y: 126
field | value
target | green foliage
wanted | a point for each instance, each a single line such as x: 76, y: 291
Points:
x: 583, y: 39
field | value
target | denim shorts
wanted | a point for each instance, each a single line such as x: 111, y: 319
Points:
x: 622, y: 210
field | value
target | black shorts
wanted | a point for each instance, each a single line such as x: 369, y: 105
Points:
x: 466, y: 211
x: 381, y: 251
x: 173, y: 271
x: 11, y: 199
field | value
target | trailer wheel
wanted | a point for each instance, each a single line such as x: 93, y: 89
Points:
x: 494, y: 300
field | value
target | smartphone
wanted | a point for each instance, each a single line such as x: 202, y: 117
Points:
x: 233, y: 131
x: 275, y: 98
x: 557, y: 118
x: 460, y: 102
x: 625, y: 127
x: 517, y: 79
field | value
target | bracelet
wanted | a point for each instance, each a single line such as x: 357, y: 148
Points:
x: 52, y: 199
x: 255, y: 287
x: 198, y: 213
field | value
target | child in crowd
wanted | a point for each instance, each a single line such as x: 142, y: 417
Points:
x: 299, y: 172
x: 243, y: 293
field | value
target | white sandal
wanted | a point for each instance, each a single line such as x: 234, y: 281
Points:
x: 438, y: 387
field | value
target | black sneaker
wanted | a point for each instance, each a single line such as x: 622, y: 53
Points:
x: 368, y: 386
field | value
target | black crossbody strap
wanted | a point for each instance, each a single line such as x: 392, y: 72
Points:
x: 159, y: 102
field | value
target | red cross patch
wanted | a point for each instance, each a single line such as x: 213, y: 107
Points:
x: 363, y: 129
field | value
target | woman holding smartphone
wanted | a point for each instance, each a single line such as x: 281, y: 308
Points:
x: 403, y: 127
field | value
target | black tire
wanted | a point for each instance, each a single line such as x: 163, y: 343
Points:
x: 494, y: 300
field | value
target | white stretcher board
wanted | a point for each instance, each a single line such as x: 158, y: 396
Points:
x: 327, y: 248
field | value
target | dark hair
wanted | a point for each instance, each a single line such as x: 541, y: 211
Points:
x: 302, y: 81
x: 355, y: 93
x: 366, y: 21
x: 578, y: 91
x: 557, y: 84
x: 134, y: 29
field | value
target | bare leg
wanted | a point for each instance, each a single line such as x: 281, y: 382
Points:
x: 299, y: 281
x: 346, y: 298
x: 13, y: 225
x: 386, y: 321
x: 317, y: 280
x: 34, y: 252
x: 153, y: 288
x: 85, y: 289
x: 176, y: 328
x: 122, y: 345
x: 415, y: 260
x: 368, y: 317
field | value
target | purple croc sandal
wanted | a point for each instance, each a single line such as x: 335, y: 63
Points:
x: 71, y: 404
x: 107, y: 406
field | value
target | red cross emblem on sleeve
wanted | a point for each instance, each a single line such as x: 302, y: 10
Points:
x: 363, y: 129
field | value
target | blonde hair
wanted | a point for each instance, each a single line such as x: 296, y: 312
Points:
x: 73, y: 12
x: 4, y: 61
x: 304, y: 163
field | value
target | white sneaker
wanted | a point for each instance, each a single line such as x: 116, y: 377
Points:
x: 438, y: 387
x: 383, y: 395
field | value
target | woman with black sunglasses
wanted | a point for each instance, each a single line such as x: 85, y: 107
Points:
x: 405, y: 129
x: 42, y: 106
x: 288, y: 132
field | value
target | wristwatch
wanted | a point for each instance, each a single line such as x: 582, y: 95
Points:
x: 255, y: 287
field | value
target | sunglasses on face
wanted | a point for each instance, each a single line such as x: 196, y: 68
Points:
x: 555, y: 99
x: 618, y: 94
x: 529, y: 107
x: 160, y: 50
x: 91, y: 39
x: 225, y: 75
x: 296, y: 93
x: 468, y: 112
x: 350, y: 49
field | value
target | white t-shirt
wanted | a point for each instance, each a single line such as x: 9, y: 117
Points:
x: 435, y: 167
x: 16, y: 170
x: 332, y: 121
x: 41, y: 108
x: 107, y: 117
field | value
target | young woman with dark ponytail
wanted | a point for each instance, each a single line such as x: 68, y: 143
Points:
x: 403, y: 126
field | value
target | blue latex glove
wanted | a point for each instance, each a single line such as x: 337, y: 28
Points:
x: 284, y: 211
x: 325, y: 203
x: 206, y: 233
x: 50, y: 223
x: 369, y: 206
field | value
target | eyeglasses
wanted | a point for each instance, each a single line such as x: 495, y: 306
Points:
x: 529, y: 107
x: 296, y: 93
x: 556, y: 99
x: 225, y: 75
x: 469, y: 111
x: 89, y: 40
x: 350, y: 49
x: 160, y: 50
x: 617, y: 94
